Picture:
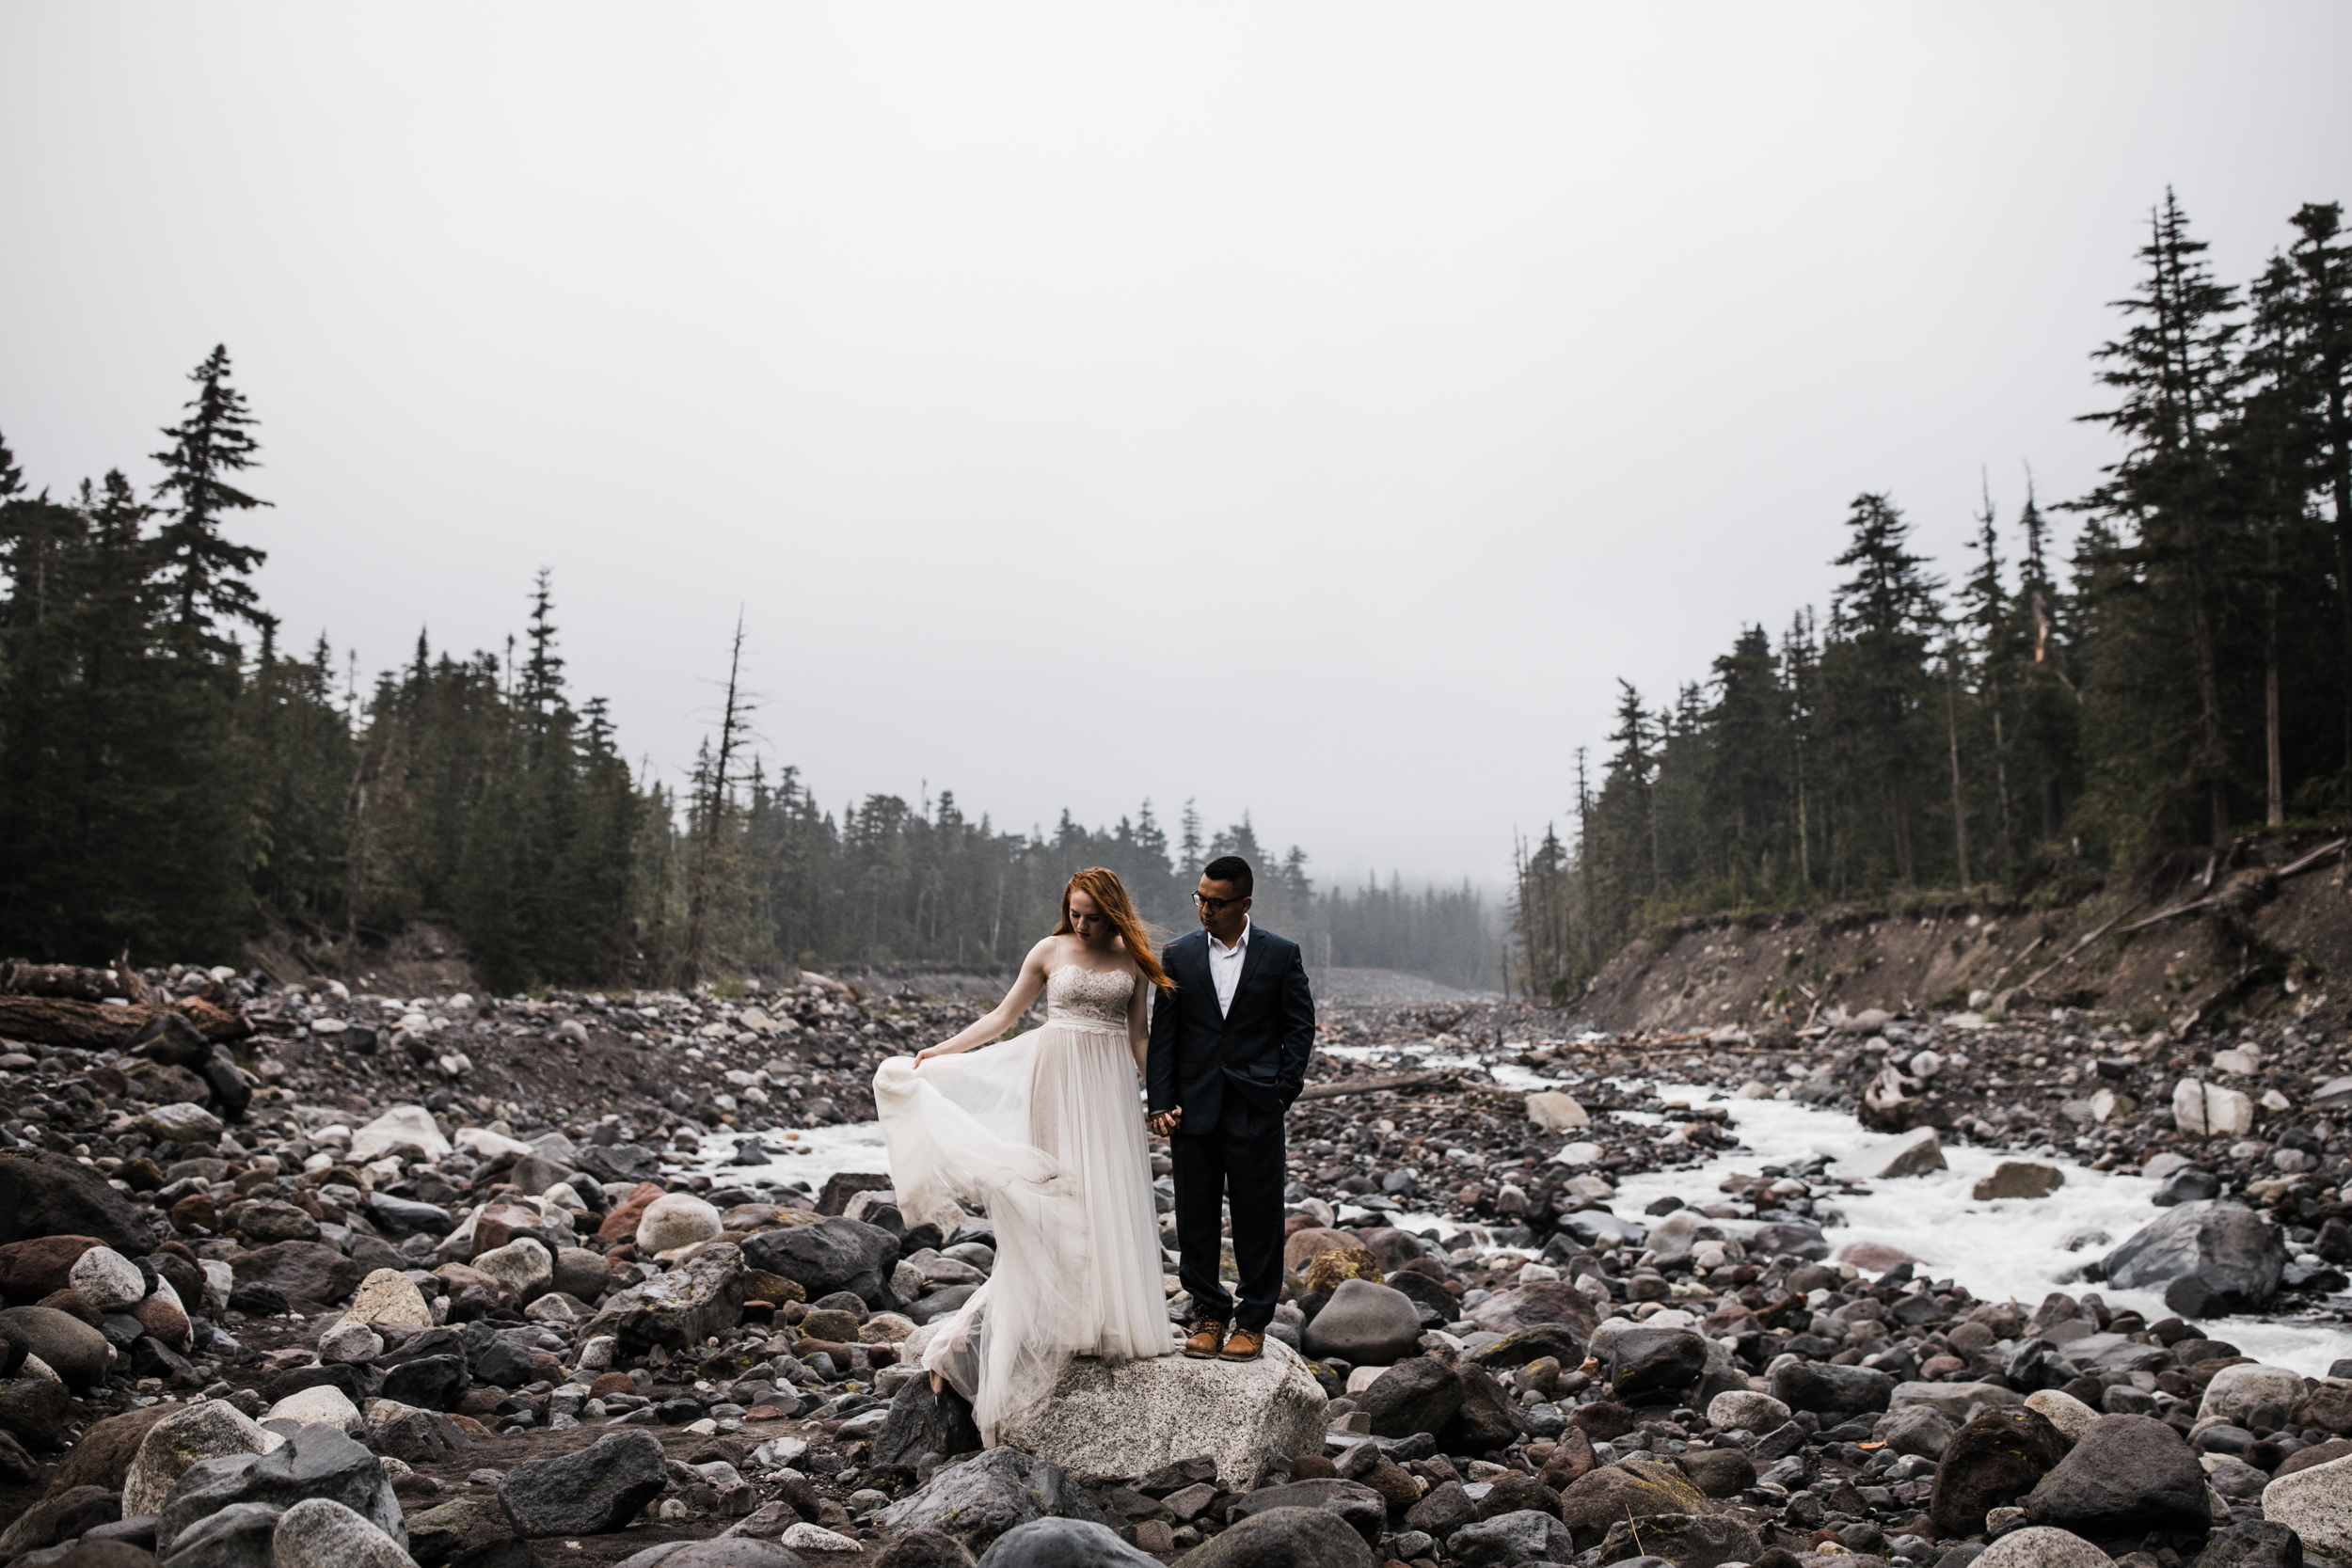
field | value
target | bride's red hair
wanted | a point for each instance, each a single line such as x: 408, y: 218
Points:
x: 1110, y: 896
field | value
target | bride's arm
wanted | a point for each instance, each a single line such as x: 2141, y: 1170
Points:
x: 1140, y: 1022
x: 1016, y: 1002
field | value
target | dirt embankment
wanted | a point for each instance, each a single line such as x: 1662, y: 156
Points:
x: 2263, y: 930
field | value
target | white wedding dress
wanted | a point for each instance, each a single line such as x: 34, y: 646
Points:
x: 1044, y: 1132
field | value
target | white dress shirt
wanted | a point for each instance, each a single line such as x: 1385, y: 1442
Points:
x: 1225, y: 966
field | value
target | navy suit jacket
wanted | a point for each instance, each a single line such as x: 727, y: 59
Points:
x: 1255, y: 1053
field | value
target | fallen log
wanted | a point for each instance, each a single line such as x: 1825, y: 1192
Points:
x: 1373, y: 1083
x: 72, y: 981
x: 94, y: 1026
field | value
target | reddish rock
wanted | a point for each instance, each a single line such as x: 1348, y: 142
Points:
x: 30, y: 1270
x: 164, y: 1321
x: 1304, y: 1244
x: 195, y: 1212
x: 621, y: 1225
x: 498, y: 1224
x: 71, y: 1303
x: 611, y: 1382
x: 1939, y: 1367
x: 767, y: 1413
x: 101, y: 1456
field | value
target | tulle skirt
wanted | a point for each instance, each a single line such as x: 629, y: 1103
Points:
x: 1044, y: 1132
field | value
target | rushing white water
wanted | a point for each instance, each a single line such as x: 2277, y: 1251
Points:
x: 2021, y: 1248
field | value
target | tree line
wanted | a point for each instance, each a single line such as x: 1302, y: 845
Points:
x: 173, y: 782
x: 2184, y: 672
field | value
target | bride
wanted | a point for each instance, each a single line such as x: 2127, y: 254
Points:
x: 1047, y: 1133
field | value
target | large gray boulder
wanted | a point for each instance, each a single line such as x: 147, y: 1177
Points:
x: 174, y: 1445
x: 836, y: 1253
x: 321, y: 1533
x: 983, y: 1498
x: 1366, y: 1324
x: 2125, y: 1475
x: 2237, y: 1254
x: 1419, y: 1393
x: 2316, y: 1504
x: 588, y: 1491
x: 1114, y: 1419
x: 684, y: 1305
x: 316, y: 1462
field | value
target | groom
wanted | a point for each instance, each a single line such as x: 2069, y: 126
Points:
x: 1229, y: 1054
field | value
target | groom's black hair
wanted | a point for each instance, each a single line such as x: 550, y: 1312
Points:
x: 1231, y: 868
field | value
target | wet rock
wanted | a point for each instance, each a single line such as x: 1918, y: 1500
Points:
x: 1914, y: 1153
x: 1285, y: 1537
x: 1993, y: 1462
x: 1831, y: 1390
x: 1417, y: 1394
x: 1064, y: 1543
x: 2018, y: 1178
x: 2233, y: 1251
x: 44, y: 1192
x: 1510, y: 1538
x: 981, y: 1498
x: 316, y: 1462
x: 1363, y: 1509
x: 1643, y: 1361
x: 835, y: 1254
x: 2126, y: 1474
x: 1110, y: 1420
x: 238, y: 1536
x: 922, y: 1422
x: 1369, y: 1324
x: 73, y: 1349
x: 586, y: 1492
x: 2316, y: 1504
x: 323, y: 1533
x: 178, y: 1440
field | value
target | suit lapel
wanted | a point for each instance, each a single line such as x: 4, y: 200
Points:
x: 1252, y: 959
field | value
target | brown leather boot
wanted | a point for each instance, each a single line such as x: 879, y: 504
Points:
x: 1207, y: 1336
x: 1245, y: 1345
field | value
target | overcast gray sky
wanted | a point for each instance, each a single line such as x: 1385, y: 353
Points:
x: 1311, y: 409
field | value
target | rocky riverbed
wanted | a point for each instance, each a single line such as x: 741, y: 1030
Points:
x: 296, y: 1274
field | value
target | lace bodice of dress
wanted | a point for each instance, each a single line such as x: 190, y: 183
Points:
x: 1076, y: 994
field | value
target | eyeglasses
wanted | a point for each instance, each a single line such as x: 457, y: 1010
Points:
x: 1211, y: 906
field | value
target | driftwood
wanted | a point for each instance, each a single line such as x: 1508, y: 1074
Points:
x: 2316, y: 857
x: 90, y: 1027
x: 70, y: 981
x: 1428, y: 1078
